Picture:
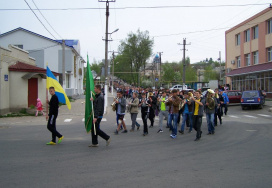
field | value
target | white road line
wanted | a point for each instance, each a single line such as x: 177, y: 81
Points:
x: 251, y: 130
x: 139, y: 119
x: 264, y: 115
x: 156, y: 118
x: 250, y: 116
x: 83, y: 119
x: 104, y: 119
x: 233, y: 116
x: 67, y: 120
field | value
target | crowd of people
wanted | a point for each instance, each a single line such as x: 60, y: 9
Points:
x: 171, y: 106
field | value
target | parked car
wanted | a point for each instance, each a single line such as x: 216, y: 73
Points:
x: 178, y: 87
x: 252, y: 98
x: 234, y: 96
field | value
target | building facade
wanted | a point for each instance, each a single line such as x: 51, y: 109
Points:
x: 22, y: 82
x: 249, y: 53
x: 49, y: 51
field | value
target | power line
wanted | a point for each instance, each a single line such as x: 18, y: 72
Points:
x: 40, y: 20
x: 46, y: 19
x: 147, y: 7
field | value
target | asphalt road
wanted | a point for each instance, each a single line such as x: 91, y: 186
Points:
x: 238, y: 155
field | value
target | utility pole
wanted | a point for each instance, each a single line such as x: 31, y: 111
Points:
x: 160, y: 66
x: 220, y: 65
x: 184, y: 66
x: 63, y: 64
x: 106, y: 51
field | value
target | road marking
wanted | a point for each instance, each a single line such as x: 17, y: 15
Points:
x: 156, y: 118
x: 139, y: 119
x: 264, y: 115
x: 104, y: 119
x: 233, y: 116
x: 204, y: 116
x: 67, y: 120
x: 83, y: 119
x: 250, y: 116
x: 251, y: 130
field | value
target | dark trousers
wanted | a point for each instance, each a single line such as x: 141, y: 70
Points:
x: 51, y: 126
x: 197, y: 122
x: 144, y: 118
x: 99, y: 132
x: 225, y: 107
x: 151, y: 117
x: 217, y: 114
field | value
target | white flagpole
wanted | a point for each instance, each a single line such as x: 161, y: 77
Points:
x: 93, y: 113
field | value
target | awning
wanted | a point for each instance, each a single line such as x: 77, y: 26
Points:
x: 27, y: 76
x: 251, y: 69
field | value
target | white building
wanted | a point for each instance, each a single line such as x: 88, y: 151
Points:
x: 49, y: 51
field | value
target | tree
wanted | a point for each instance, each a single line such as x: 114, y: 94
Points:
x: 210, y: 74
x: 136, y: 50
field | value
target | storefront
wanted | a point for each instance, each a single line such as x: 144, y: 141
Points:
x: 252, y: 78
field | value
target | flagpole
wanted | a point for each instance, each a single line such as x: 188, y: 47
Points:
x: 93, y: 113
x: 46, y: 106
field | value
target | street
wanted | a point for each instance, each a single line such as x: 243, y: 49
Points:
x: 237, y: 155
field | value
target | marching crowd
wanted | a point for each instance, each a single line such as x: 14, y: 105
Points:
x: 170, y: 106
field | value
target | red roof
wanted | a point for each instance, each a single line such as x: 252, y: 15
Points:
x: 251, y: 69
x: 23, y: 67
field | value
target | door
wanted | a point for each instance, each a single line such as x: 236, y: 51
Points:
x: 32, y: 91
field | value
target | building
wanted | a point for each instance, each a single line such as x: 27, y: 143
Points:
x: 49, y: 51
x: 249, y: 53
x: 22, y: 82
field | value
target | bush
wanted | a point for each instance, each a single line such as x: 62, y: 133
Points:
x: 32, y: 106
x: 23, y: 111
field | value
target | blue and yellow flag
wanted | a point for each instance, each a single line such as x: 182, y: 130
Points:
x: 51, y: 81
x: 89, y: 113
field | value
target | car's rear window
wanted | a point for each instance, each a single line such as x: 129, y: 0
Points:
x: 231, y: 93
x: 250, y: 94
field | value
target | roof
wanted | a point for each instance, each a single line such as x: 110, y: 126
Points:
x: 23, y: 67
x: 22, y: 29
x: 251, y: 69
x: 70, y: 43
x: 250, y: 19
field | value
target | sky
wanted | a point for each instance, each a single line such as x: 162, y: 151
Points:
x: 202, y: 23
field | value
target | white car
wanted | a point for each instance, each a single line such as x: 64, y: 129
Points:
x: 179, y: 87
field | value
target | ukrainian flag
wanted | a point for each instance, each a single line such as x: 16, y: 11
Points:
x: 51, y: 81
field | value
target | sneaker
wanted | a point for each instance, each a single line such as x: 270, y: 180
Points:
x: 151, y: 126
x: 197, y: 139
x: 138, y: 127
x: 124, y: 131
x: 160, y: 131
x: 116, y: 132
x: 145, y: 134
x: 60, y: 139
x: 173, y: 136
x: 50, y: 143
x: 108, y: 142
x: 190, y: 131
x: 94, y: 145
x: 181, y: 132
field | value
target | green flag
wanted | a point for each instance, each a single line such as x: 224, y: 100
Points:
x: 89, y: 114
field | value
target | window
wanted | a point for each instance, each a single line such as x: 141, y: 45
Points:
x: 255, y: 32
x: 67, y: 80
x: 255, y: 58
x: 269, y: 26
x: 238, y: 60
x: 269, y: 54
x: 247, y: 57
x: 247, y: 35
x: 19, y: 46
x: 237, y: 40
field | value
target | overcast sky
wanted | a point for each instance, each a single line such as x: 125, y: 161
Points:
x: 204, y: 27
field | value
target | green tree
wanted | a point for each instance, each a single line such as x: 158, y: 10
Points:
x: 210, y: 74
x: 135, y: 50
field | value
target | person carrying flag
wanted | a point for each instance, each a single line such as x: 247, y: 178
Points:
x: 53, y: 114
x: 98, y: 104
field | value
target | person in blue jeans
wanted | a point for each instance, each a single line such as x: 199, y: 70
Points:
x: 187, y: 113
x: 173, y: 103
x: 210, y: 104
x: 225, y: 103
